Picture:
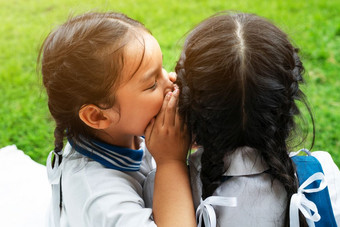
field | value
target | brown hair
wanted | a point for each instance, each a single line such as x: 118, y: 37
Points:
x: 80, y: 63
x: 239, y: 77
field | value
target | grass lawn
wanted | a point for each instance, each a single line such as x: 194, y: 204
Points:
x: 24, y: 119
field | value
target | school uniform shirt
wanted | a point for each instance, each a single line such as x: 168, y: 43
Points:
x: 93, y: 195
x: 261, y: 201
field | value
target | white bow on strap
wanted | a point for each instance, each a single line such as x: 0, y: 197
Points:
x: 299, y: 201
x: 206, y: 211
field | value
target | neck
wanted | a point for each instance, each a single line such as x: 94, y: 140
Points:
x: 126, y: 141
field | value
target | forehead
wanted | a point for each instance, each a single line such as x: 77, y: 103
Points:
x: 141, y: 54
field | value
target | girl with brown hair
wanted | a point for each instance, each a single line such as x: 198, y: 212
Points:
x: 106, y: 88
x: 240, y: 79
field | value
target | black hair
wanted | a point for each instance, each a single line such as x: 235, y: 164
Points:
x: 239, y: 77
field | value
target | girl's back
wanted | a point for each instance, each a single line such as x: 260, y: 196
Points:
x: 260, y: 201
x: 240, y: 79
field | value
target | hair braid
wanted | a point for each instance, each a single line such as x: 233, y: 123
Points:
x: 212, y: 170
x: 59, y: 133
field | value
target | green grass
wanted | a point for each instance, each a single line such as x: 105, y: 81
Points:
x: 24, y: 119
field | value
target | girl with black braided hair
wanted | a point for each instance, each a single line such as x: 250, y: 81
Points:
x: 239, y: 77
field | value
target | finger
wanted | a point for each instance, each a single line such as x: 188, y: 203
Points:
x: 160, y: 115
x: 176, y: 86
x: 170, y: 114
x: 179, y: 122
x: 177, y: 118
x: 149, y: 130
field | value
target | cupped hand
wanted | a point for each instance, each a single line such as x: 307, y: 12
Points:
x: 166, y: 136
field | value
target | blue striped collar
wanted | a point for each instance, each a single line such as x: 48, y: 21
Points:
x: 110, y: 156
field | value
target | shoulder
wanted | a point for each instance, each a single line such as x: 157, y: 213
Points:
x: 93, y: 175
x: 90, y: 177
x: 101, y: 196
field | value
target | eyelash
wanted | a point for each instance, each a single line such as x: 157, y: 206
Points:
x: 153, y: 86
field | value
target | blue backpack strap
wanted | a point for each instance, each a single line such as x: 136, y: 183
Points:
x: 306, y: 166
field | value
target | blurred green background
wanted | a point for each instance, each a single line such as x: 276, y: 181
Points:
x: 314, y: 26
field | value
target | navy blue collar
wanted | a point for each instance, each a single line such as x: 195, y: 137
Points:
x: 110, y: 156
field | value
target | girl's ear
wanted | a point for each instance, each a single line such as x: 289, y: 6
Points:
x: 95, y: 117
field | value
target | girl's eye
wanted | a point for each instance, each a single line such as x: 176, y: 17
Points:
x: 153, y: 86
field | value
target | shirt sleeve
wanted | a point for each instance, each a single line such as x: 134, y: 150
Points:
x: 332, y: 176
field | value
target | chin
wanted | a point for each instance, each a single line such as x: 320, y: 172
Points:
x: 141, y: 133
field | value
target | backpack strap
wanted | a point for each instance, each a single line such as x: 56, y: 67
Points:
x: 312, y: 190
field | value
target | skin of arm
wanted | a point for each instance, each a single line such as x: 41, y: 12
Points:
x: 168, y: 141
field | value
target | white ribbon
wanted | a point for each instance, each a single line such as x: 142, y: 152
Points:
x: 206, y: 210
x: 299, y: 201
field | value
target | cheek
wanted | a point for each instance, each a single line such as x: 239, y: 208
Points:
x: 157, y: 103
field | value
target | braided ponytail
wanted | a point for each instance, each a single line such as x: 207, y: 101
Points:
x: 58, y: 144
x: 58, y: 139
x: 212, y: 170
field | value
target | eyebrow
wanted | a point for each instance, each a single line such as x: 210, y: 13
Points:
x: 149, y: 75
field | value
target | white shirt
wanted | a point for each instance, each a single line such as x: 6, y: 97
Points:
x: 260, y: 201
x: 93, y: 195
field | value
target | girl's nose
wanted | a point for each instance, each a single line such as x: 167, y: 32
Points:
x: 169, y: 79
